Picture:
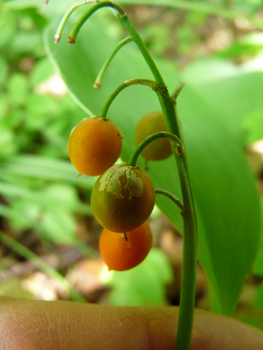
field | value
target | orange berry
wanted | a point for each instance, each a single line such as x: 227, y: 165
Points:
x: 120, y: 254
x: 94, y: 145
x: 150, y: 124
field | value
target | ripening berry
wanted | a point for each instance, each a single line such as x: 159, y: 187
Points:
x: 121, y: 251
x: 150, y: 124
x: 123, y: 198
x: 94, y: 145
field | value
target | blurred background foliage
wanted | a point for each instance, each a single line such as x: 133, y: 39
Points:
x: 49, y: 238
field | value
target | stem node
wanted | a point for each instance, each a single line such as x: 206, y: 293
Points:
x: 71, y: 40
x: 163, y: 90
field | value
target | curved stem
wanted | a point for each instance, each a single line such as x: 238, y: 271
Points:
x: 73, y: 34
x: 66, y: 17
x: 161, y: 134
x: 187, y: 298
x: 97, y: 83
x: 166, y: 102
x: 147, y: 82
x: 137, y: 39
x: 170, y: 196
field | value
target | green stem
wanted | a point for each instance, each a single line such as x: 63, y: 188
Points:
x: 138, y: 40
x: 40, y: 264
x: 161, y: 134
x: 147, y: 82
x: 170, y: 196
x: 97, y: 83
x: 73, y: 34
x: 187, y: 298
x: 66, y: 17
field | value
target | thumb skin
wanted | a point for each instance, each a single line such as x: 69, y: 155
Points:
x: 43, y: 325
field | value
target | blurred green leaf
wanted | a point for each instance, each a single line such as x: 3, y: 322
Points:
x: 253, y: 126
x: 59, y: 226
x: 39, y: 197
x: 13, y: 120
x: 239, y: 49
x: 258, y: 302
x: 3, y: 70
x: 49, y: 211
x: 224, y: 188
x: 7, y: 143
x: 41, y: 108
x: 53, y: 9
x: 44, y: 168
x: 252, y: 321
x: 25, y: 42
x: 233, y: 91
x: 237, y: 9
x: 41, y: 71
x: 144, y: 284
x: 65, y: 194
x: 18, y: 89
x: 258, y: 264
x: 3, y: 106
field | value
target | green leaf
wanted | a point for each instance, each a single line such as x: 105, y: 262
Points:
x: 44, y: 168
x: 3, y: 107
x: 224, y: 188
x: 235, y: 92
x: 258, y: 302
x: 253, y: 125
x: 53, y: 9
x: 144, y: 284
x: 7, y: 143
x: 42, y: 108
x: 49, y: 212
x: 252, y: 321
x: 258, y: 264
x: 18, y: 89
x: 205, y: 7
x: 41, y: 71
x: 26, y: 42
x: 3, y: 71
x: 59, y: 226
x: 65, y: 194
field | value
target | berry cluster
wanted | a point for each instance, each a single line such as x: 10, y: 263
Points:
x: 123, y: 196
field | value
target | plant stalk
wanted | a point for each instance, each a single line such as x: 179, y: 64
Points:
x: 176, y: 142
x: 147, y: 82
x: 187, y: 298
x: 98, y: 80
